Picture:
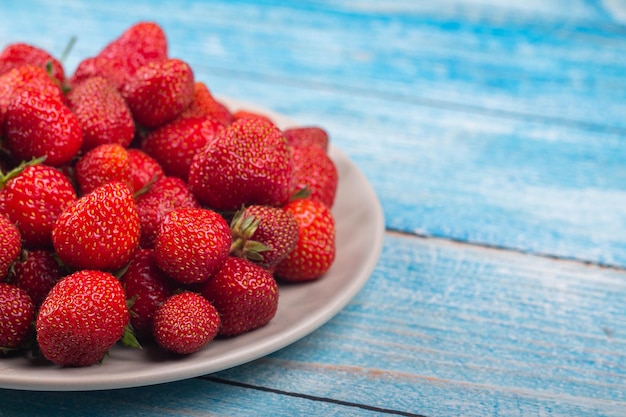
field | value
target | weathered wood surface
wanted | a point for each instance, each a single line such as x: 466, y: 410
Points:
x: 493, y: 133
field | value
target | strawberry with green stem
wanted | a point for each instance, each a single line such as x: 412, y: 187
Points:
x: 263, y: 234
x: 82, y: 317
x: 18, y: 55
x: 33, y: 195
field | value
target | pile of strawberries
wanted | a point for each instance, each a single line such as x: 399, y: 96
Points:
x: 135, y: 207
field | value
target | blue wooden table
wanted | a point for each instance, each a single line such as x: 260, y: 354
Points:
x: 494, y: 134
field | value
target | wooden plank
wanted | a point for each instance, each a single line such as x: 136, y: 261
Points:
x: 511, y: 153
x: 485, y: 332
x: 440, y: 329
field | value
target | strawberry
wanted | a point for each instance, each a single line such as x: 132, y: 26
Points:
x: 263, y: 234
x: 244, y: 294
x: 315, y: 250
x: 37, y: 124
x: 243, y: 113
x: 118, y: 61
x: 165, y: 195
x: 17, y: 313
x: 33, y: 196
x: 82, y: 317
x: 307, y: 135
x: 117, y: 71
x: 248, y: 163
x: 19, y: 54
x: 175, y: 144
x: 27, y: 77
x: 144, y: 169
x: 185, y: 323
x: 140, y: 44
x: 159, y: 92
x: 101, y: 165
x: 10, y: 245
x: 100, y: 230
x: 315, y: 172
x: 204, y: 104
x: 36, y: 273
x: 147, y: 287
x: 102, y: 113
x: 191, y: 244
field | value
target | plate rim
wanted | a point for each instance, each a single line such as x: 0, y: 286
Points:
x: 188, y: 367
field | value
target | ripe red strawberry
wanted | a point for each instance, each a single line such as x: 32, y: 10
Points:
x: 248, y: 163
x: 116, y: 71
x: 19, y: 54
x: 159, y: 92
x: 27, y: 77
x: 144, y: 169
x: 36, y: 274
x: 242, y: 114
x: 147, y: 287
x: 37, y: 124
x: 316, y: 172
x: 204, y: 104
x: 191, y: 244
x: 165, y: 195
x: 82, y: 317
x: 17, y: 313
x: 263, y: 234
x: 102, y: 113
x: 100, y: 230
x: 101, y: 165
x: 140, y: 44
x: 33, y: 196
x: 315, y: 251
x: 244, y: 294
x: 185, y: 323
x: 307, y: 135
x: 174, y: 145
x: 10, y: 245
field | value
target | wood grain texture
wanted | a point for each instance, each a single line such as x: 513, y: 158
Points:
x: 497, y: 124
x: 440, y: 329
x: 481, y: 125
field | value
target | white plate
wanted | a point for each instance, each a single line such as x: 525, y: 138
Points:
x: 302, y: 308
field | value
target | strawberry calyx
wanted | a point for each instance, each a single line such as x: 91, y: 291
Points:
x: 129, y: 339
x: 304, y: 192
x: 243, y: 227
x: 6, y: 177
x: 146, y: 187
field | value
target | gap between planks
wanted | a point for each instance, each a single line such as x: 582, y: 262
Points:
x: 498, y: 248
